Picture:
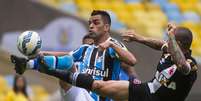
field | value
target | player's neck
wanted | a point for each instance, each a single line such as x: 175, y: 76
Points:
x: 102, y: 39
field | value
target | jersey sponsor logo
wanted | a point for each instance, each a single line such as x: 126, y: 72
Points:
x: 97, y: 72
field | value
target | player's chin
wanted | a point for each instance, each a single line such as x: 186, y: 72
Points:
x: 92, y: 34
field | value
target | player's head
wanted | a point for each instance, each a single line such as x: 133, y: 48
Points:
x: 88, y: 39
x: 20, y: 85
x: 183, y: 37
x: 99, y: 22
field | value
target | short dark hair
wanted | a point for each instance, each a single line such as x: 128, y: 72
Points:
x: 105, y: 15
x: 184, y: 36
x: 87, y: 36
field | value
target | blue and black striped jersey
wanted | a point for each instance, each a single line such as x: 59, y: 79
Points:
x: 101, y: 64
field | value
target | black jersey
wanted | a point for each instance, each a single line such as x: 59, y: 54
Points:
x: 169, y: 84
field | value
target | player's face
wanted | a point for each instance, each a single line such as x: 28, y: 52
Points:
x: 97, y: 25
x: 20, y: 83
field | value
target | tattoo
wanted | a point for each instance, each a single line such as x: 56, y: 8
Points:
x: 153, y: 43
x: 177, y: 55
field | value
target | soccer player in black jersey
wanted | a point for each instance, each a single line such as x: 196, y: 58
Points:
x: 176, y: 70
x: 173, y: 80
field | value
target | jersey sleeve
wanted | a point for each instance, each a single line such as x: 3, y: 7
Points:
x: 77, y: 54
x: 164, y: 47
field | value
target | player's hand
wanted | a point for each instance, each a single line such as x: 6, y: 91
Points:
x: 171, y: 28
x: 20, y: 63
x: 105, y: 45
x: 130, y: 35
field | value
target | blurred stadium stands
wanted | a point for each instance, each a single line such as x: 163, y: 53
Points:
x: 148, y: 17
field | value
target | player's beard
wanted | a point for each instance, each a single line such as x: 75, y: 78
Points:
x: 93, y: 35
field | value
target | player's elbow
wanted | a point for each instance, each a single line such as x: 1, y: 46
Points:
x: 184, y: 68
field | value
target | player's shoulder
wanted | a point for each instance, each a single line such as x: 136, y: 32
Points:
x: 85, y: 45
x: 81, y: 48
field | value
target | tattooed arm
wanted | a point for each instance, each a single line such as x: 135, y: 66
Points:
x: 130, y: 35
x: 177, y: 54
x: 153, y: 43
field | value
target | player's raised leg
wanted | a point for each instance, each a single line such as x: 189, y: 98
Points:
x: 53, y: 62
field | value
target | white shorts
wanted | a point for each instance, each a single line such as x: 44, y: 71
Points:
x: 75, y: 94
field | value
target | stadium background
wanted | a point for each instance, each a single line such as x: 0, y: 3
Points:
x: 62, y: 24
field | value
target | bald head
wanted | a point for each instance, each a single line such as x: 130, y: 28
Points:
x: 184, y: 37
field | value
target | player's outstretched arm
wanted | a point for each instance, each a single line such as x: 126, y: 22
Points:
x: 131, y: 35
x: 175, y: 50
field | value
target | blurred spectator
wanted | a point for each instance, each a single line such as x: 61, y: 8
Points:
x: 19, y: 92
x: 20, y: 85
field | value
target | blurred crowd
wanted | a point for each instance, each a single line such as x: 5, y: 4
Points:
x: 15, y: 88
x: 148, y: 17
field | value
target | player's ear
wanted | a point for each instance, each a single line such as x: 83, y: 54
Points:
x: 106, y: 27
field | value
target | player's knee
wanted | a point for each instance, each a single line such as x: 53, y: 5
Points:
x: 84, y: 81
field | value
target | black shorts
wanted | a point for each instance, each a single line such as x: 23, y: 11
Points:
x: 140, y: 92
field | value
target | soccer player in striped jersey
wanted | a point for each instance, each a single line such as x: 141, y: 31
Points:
x: 101, y: 60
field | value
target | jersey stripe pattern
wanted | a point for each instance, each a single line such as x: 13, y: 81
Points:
x: 101, y: 64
